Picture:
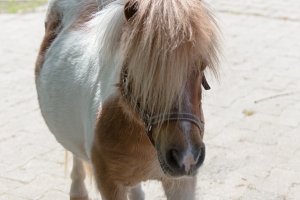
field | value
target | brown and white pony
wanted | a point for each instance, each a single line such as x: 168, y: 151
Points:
x: 119, y: 85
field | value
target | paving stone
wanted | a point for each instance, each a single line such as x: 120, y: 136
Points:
x: 24, y: 153
x: 290, y: 117
x: 294, y: 191
x: 28, y: 172
x: 253, y: 193
x: 268, y: 134
x: 11, y: 197
x: 259, y: 165
x: 37, y: 188
x: 270, y: 9
x: 274, y: 104
x: 54, y: 194
x: 289, y: 143
x: 8, y: 184
x: 292, y: 163
x: 279, y: 181
x: 57, y: 155
x: 220, y: 161
x: 234, y: 187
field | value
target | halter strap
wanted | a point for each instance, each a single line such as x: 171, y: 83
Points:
x: 174, y: 117
x: 150, y: 121
x: 154, y: 120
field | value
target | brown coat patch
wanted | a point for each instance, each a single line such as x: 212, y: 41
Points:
x: 52, y: 28
x: 122, y: 154
x: 85, y: 14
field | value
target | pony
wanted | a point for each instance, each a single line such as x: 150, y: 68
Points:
x: 119, y: 86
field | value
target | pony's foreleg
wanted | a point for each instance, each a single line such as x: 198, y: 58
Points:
x: 137, y: 193
x: 180, y: 189
x: 109, y: 188
x: 111, y: 191
x: 78, y: 190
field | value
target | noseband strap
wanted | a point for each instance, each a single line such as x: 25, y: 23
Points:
x: 151, y: 121
x: 176, y: 117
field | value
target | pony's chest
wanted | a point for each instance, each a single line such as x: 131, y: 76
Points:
x: 138, y: 166
x: 128, y: 160
x: 121, y: 149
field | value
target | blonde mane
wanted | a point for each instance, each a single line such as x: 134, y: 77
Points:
x: 162, y: 44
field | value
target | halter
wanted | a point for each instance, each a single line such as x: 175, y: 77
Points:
x: 150, y: 121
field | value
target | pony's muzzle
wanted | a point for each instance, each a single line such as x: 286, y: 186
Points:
x: 185, y: 162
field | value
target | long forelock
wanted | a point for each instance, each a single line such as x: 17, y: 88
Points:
x: 162, y: 44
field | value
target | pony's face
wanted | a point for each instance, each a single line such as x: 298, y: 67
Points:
x: 179, y: 143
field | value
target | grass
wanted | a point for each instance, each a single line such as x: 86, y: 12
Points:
x: 20, y: 6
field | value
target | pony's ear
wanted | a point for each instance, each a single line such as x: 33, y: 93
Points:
x: 205, y: 83
x: 130, y: 9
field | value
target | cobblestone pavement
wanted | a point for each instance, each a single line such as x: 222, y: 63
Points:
x: 252, y: 113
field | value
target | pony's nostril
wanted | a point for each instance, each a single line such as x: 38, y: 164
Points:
x: 185, y: 162
x: 173, y: 158
x: 201, y: 156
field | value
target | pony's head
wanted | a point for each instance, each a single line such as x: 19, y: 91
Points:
x: 166, y: 45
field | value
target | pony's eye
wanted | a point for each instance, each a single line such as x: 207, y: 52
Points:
x: 205, y: 83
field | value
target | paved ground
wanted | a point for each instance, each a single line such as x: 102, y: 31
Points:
x: 248, y: 156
